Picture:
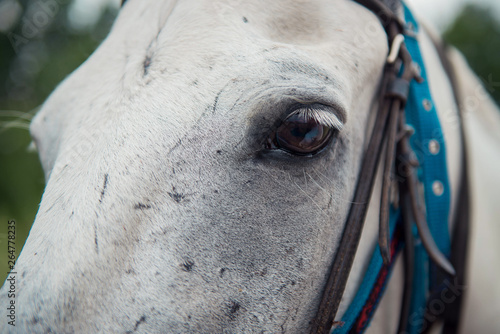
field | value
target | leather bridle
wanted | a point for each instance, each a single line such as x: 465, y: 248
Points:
x: 390, y: 133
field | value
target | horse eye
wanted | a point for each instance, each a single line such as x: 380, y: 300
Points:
x: 300, y: 135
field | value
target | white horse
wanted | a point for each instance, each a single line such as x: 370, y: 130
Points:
x: 169, y: 207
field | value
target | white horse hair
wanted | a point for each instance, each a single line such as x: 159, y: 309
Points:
x: 163, y: 212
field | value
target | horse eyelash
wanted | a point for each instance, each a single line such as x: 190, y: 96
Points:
x: 322, y: 117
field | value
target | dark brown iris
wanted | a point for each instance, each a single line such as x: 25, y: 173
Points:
x: 301, y: 135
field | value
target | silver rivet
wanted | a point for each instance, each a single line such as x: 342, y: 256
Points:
x: 437, y: 188
x: 434, y: 146
x: 410, y: 26
x: 410, y: 130
x: 427, y: 104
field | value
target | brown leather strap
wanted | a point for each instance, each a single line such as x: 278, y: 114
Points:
x: 341, y: 266
x: 390, y: 120
x: 344, y: 258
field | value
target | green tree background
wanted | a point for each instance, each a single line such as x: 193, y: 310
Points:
x: 37, y: 51
x: 476, y: 33
x: 40, y: 47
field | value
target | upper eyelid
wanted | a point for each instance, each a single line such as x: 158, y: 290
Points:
x: 331, y: 104
x: 320, y: 114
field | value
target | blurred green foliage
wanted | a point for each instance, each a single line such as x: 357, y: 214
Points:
x: 476, y: 33
x: 35, y: 55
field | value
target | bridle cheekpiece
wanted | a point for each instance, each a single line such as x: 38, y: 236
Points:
x: 406, y: 120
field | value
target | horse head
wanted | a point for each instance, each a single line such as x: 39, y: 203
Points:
x: 200, y: 167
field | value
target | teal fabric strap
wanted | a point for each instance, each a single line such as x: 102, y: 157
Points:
x: 429, y: 146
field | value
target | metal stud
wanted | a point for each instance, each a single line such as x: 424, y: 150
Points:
x: 437, y: 188
x: 427, y: 104
x: 417, y: 68
x: 434, y: 146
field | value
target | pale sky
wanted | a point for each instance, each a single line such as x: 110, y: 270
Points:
x: 437, y: 12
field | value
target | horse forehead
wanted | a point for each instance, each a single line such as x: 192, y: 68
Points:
x: 292, y: 22
x: 290, y: 18
x: 175, y: 42
x: 175, y: 56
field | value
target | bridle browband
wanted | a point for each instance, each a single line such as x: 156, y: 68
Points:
x: 391, y: 133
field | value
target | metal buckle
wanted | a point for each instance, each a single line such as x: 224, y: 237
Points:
x: 395, y: 47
